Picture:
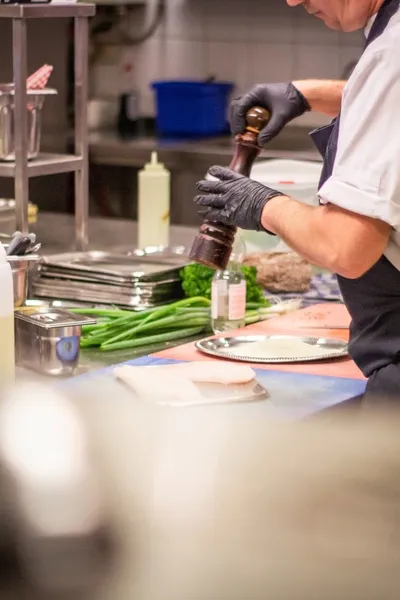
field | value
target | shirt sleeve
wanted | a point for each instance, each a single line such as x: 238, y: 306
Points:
x: 366, y: 174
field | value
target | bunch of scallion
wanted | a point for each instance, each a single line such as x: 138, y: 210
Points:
x: 155, y: 327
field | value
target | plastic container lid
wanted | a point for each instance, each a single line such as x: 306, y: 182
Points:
x: 154, y: 164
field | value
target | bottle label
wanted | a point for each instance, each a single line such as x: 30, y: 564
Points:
x: 219, y: 292
x: 237, y: 301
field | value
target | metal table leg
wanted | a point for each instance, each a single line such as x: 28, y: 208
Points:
x: 21, y: 185
x: 81, y: 133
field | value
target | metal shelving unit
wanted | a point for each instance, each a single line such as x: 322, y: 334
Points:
x: 50, y: 164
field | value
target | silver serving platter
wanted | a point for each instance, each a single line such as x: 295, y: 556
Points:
x: 239, y: 348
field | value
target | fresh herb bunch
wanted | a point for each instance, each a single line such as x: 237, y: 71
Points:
x: 196, y: 281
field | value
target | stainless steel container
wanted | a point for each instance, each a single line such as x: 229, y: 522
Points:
x: 35, y: 104
x: 21, y: 267
x: 47, y: 339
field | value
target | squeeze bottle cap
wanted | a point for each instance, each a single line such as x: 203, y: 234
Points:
x: 154, y: 165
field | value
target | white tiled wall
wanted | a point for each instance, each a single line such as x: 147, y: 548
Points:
x: 245, y: 41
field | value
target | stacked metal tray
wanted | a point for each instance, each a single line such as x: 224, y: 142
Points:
x: 125, y: 277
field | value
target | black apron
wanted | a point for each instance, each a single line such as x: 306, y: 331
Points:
x: 373, y: 300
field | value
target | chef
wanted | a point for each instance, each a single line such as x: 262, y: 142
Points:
x: 355, y: 230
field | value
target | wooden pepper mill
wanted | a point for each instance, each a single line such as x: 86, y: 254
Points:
x: 213, y: 244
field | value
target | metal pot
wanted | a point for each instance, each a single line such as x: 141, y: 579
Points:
x: 34, y: 107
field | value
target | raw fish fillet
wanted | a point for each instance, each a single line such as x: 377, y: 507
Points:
x: 180, y: 384
x: 208, y: 372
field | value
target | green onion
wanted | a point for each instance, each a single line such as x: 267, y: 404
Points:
x: 166, y: 323
x: 98, y: 312
x: 257, y: 305
x: 153, y: 339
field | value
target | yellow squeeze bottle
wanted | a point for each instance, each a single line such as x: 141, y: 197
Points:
x: 154, y: 200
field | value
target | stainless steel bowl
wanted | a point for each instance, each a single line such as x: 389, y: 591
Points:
x: 21, y: 267
x: 34, y: 108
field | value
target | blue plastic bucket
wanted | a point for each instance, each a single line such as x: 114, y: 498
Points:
x: 192, y: 108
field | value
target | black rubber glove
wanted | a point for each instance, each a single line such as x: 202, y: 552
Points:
x: 283, y: 101
x: 234, y: 199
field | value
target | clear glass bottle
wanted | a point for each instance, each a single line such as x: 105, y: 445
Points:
x: 228, y: 293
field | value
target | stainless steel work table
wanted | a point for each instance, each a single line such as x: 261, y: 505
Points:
x: 57, y: 234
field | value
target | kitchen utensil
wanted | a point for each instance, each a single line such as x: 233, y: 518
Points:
x: 213, y: 244
x: 34, y: 109
x: 47, y: 340
x: 14, y: 243
x: 34, y: 249
x: 21, y: 246
x: 273, y: 348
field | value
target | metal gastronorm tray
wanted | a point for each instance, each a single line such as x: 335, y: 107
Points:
x: 119, y: 265
x: 107, y: 294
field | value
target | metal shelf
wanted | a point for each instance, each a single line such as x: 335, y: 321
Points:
x: 50, y: 164
x: 45, y: 164
x: 43, y: 11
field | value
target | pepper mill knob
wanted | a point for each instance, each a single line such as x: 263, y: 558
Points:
x: 247, y: 148
x: 257, y: 118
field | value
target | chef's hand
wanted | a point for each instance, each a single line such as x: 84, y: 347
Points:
x: 283, y: 100
x: 233, y: 199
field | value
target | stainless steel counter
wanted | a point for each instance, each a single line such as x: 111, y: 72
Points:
x: 57, y: 234
x: 56, y: 231
x: 107, y: 148
x: 89, y: 361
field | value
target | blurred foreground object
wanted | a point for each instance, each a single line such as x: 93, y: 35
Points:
x: 50, y: 497
x: 207, y: 503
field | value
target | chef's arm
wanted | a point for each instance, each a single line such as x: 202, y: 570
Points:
x: 346, y: 243
x: 322, y: 95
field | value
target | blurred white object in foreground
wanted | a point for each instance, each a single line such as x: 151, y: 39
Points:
x: 52, y: 488
x: 223, y: 504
